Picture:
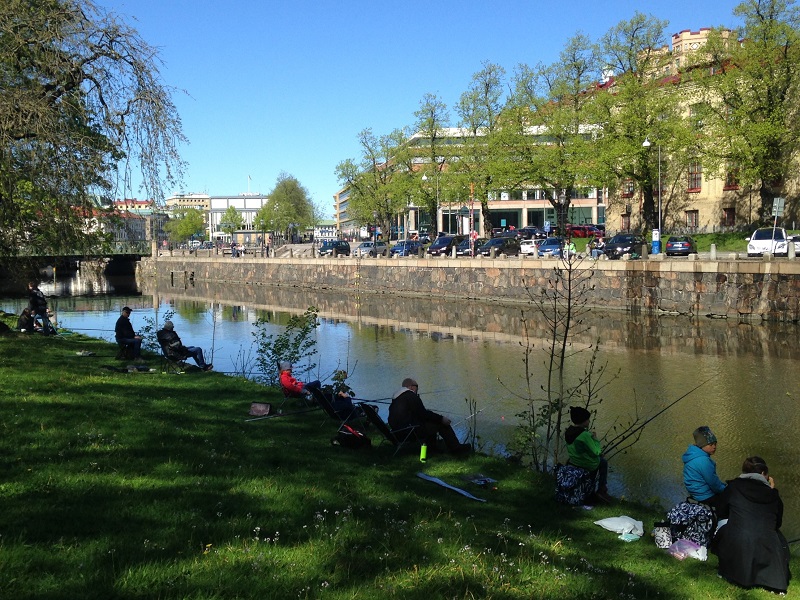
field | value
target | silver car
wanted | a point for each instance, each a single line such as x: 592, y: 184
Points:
x: 370, y: 249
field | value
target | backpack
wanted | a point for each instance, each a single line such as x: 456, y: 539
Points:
x: 691, y: 521
x: 574, y: 485
x: 349, y: 437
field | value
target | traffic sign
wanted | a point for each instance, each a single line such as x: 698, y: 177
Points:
x: 547, y: 226
x: 777, y: 206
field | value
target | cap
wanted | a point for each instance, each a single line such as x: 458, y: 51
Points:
x: 704, y: 436
x: 284, y: 365
x: 579, y: 415
x: 126, y: 309
x: 168, y: 325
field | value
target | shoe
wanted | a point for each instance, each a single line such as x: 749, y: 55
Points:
x: 604, y: 497
x: 208, y: 367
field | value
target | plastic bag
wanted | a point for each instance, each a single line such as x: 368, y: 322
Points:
x: 688, y: 549
x: 622, y: 524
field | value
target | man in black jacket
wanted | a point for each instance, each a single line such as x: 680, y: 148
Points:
x: 408, y: 410
x: 173, y: 346
x: 126, y: 336
x: 38, y: 305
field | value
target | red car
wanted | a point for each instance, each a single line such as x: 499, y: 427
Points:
x: 583, y: 231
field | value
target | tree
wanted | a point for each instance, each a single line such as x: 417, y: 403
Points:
x: 231, y: 220
x: 479, y: 109
x: 432, y: 118
x: 186, y: 224
x: 750, y: 90
x: 638, y: 103
x: 548, y: 133
x: 381, y: 183
x: 288, y: 209
x: 81, y: 106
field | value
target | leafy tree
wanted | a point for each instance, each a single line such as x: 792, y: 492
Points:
x: 750, y: 91
x: 480, y: 110
x: 82, y: 105
x: 432, y: 118
x: 288, y: 209
x: 548, y: 137
x: 186, y: 224
x: 231, y: 220
x: 636, y: 104
x: 381, y: 182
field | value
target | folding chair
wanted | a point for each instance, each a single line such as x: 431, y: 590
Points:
x: 348, y: 415
x: 397, y: 437
x: 172, y: 361
x: 125, y: 352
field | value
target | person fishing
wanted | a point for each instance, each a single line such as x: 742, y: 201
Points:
x: 700, y: 472
x: 407, y: 410
x: 585, y: 451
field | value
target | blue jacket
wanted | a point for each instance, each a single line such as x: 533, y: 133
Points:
x: 700, y: 474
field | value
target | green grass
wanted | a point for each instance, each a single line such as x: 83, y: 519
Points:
x: 143, y: 485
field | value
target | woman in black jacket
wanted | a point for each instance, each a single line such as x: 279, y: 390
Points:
x: 751, y: 549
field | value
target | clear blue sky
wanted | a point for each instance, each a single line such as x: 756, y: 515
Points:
x: 285, y: 86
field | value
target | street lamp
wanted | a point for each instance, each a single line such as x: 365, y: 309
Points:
x: 657, y: 233
x: 375, y: 225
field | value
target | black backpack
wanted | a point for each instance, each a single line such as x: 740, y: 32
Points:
x: 349, y: 437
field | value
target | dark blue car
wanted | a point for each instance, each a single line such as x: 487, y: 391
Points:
x: 406, y: 248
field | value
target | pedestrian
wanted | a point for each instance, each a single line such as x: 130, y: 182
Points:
x: 585, y: 451
x: 171, y: 344
x: 699, y: 471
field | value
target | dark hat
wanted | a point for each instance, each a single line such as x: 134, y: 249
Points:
x: 579, y: 415
x: 168, y: 325
x: 704, y: 436
x: 126, y: 309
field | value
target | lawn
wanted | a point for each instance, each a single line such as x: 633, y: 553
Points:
x: 144, y: 485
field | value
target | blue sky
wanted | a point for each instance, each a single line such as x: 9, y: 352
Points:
x: 286, y: 86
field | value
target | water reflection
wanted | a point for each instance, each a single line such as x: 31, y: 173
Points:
x: 461, y: 349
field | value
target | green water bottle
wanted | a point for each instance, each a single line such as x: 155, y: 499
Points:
x: 423, y: 453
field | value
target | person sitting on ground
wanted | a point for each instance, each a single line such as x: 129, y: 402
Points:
x: 126, y: 336
x: 407, y: 410
x: 699, y: 471
x: 585, y: 451
x: 751, y: 549
x: 37, y: 304
x: 26, y: 323
x: 291, y: 386
x: 168, y: 339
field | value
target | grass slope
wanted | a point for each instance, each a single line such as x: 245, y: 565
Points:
x: 144, y: 485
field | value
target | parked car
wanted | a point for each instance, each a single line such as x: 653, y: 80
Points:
x: 497, y: 231
x: 680, y: 245
x: 500, y: 245
x: 551, y: 246
x: 405, y: 248
x: 583, y: 231
x: 444, y: 243
x: 527, y: 246
x: 463, y: 248
x: 328, y: 246
x: 772, y: 240
x: 624, y: 243
x: 371, y: 249
x: 531, y: 232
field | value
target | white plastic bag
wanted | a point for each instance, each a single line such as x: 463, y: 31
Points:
x: 688, y: 549
x: 622, y: 524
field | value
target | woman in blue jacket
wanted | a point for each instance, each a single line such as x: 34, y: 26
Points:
x: 699, y: 471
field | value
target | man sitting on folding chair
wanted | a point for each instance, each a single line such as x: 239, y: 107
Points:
x: 407, y: 410
x: 175, y: 350
x: 293, y: 388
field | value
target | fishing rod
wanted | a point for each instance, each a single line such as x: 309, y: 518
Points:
x: 467, y: 418
x: 620, y: 438
x: 282, y: 414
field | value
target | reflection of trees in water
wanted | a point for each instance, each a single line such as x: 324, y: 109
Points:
x: 497, y: 321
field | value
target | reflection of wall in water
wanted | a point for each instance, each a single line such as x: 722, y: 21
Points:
x: 496, y: 321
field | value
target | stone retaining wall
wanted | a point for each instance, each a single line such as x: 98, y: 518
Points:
x: 761, y: 290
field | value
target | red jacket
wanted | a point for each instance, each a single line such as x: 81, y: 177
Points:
x: 290, y: 384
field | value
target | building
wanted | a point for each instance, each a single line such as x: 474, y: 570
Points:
x: 215, y: 207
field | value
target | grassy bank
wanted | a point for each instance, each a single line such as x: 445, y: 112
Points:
x: 144, y: 485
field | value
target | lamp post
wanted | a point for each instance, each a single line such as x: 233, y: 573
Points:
x: 656, y: 249
x: 439, y: 165
x: 375, y: 225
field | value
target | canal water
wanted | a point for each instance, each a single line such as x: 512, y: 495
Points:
x: 458, y: 350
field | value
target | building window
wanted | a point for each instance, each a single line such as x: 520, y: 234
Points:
x: 627, y: 188
x: 696, y: 117
x: 729, y: 217
x: 626, y: 222
x: 732, y: 179
x: 695, y: 176
x: 692, y: 218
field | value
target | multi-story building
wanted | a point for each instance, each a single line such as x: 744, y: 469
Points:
x: 215, y: 207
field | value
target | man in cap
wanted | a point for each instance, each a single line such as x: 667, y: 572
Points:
x: 699, y: 471
x: 126, y: 336
x: 169, y: 339
x: 407, y: 410
x: 585, y: 451
x: 291, y: 386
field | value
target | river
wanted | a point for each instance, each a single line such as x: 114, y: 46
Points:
x: 467, y: 349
